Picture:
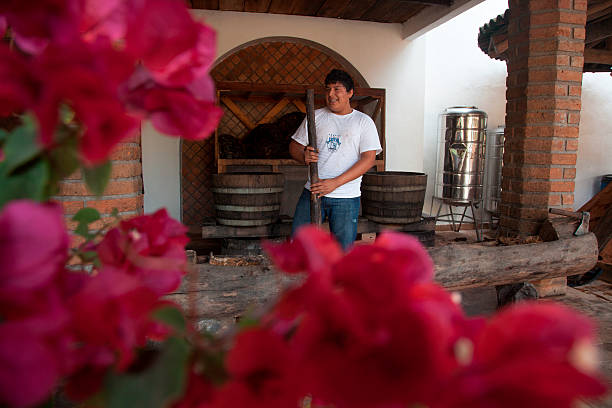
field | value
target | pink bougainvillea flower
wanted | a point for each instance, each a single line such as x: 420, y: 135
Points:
x: 312, y: 250
x: 173, y: 47
x: 2, y: 26
x: 33, y: 245
x: 151, y: 247
x: 28, y: 367
x: 114, y: 311
x: 86, y: 77
x: 199, y: 393
x: 18, y: 85
x: 262, y: 373
x: 348, y: 314
x: 35, y: 25
x: 107, y: 18
x: 531, y: 355
x: 188, y: 111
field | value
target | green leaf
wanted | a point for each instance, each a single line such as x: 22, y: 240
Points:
x: 29, y: 182
x: 86, y: 215
x: 161, y: 383
x: 83, y: 230
x: 97, y: 177
x: 171, y: 316
x: 64, y: 159
x: 20, y: 147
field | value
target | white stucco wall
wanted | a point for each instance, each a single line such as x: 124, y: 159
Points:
x: 376, y: 50
x: 458, y: 73
x: 595, y: 143
x: 422, y: 77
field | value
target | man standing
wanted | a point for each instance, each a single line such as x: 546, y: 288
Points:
x: 347, y: 145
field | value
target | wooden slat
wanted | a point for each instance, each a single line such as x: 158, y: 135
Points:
x: 446, y: 3
x: 357, y: 8
x: 231, y: 5
x: 597, y: 10
x: 598, y: 30
x: 274, y: 111
x: 306, y: 7
x: 300, y: 105
x: 205, y: 4
x: 281, y: 7
x: 256, y: 6
x: 238, y: 112
x: 387, y: 11
x: 593, y: 56
x: 333, y: 8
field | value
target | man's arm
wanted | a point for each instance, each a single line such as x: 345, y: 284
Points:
x: 365, y: 162
x: 303, y: 154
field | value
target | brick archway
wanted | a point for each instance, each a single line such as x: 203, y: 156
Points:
x: 270, y: 60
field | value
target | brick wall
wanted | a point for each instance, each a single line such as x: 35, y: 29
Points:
x: 545, y: 47
x: 124, y: 190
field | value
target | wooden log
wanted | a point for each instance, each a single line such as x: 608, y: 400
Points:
x: 224, y: 293
x: 469, y: 266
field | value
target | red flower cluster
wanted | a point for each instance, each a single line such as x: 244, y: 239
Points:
x: 84, y: 55
x: 370, y: 329
x: 57, y: 323
x: 151, y: 247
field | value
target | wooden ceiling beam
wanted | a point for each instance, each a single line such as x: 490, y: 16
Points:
x: 357, y: 8
x: 205, y: 4
x: 595, y: 56
x: 599, y: 30
x: 446, y: 3
x: 280, y: 7
x: 597, y: 10
x: 332, y: 8
x: 256, y: 6
x: 231, y: 5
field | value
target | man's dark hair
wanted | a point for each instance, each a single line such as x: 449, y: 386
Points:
x: 339, y: 76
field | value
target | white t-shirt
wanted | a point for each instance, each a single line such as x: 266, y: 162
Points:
x: 340, y: 140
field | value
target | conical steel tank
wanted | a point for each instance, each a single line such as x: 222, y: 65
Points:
x: 461, y: 155
x: 493, y: 169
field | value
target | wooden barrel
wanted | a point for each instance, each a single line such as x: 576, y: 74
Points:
x: 247, y: 199
x: 393, y: 197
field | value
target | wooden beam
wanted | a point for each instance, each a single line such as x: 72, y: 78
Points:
x: 300, y: 105
x: 597, y: 10
x: 280, y: 7
x: 256, y: 6
x: 332, y: 8
x: 205, y: 4
x: 446, y: 3
x: 598, y: 30
x: 238, y: 112
x: 231, y: 5
x: 274, y: 111
x: 596, y: 56
x: 433, y: 16
x: 357, y: 8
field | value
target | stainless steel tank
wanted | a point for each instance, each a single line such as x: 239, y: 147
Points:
x: 461, y: 154
x: 493, y: 169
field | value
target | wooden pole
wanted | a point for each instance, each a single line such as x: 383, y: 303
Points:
x: 315, y: 202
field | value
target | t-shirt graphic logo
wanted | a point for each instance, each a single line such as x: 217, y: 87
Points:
x: 333, y: 142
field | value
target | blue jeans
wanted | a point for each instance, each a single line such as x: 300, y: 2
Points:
x: 342, y: 214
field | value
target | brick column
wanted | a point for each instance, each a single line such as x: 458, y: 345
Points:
x: 124, y: 190
x: 545, y: 58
